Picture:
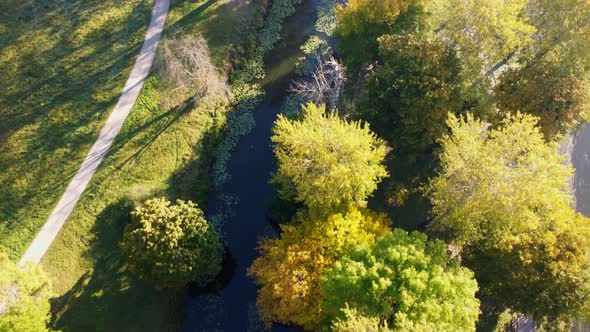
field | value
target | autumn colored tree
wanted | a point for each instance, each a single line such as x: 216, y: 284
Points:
x: 361, y: 22
x: 326, y: 162
x: 417, y: 83
x: 24, y: 297
x: 289, y: 268
x: 172, y: 245
x: 502, y: 196
x: 544, y: 273
x: 560, y: 98
x: 562, y: 33
x: 550, y: 78
x: 485, y: 32
x: 496, y: 181
x: 405, y: 281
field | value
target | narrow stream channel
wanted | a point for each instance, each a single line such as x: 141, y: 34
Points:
x: 233, y: 308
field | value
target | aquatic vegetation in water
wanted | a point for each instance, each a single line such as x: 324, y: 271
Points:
x: 267, y: 38
x: 239, y: 123
x: 327, y: 19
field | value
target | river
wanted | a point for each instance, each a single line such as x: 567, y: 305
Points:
x: 232, y: 308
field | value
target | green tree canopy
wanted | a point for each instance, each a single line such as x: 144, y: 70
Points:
x: 417, y: 83
x: 355, y: 321
x: 361, y: 22
x: 562, y: 33
x: 502, y: 195
x: 289, y: 268
x: 172, y: 245
x: 24, y: 294
x: 405, y: 281
x: 330, y: 162
x: 485, y: 32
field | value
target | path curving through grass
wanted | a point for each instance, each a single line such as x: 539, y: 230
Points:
x: 98, y: 151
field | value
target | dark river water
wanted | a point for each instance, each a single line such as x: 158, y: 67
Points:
x: 232, y: 308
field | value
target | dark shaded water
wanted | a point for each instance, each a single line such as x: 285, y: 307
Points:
x: 233, y: 307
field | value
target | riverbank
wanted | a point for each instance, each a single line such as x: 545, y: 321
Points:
x: 243, y: 200
x: 162, y: 150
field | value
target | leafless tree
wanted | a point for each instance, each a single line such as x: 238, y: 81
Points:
x: 324, y: 85
x: 185, y: 65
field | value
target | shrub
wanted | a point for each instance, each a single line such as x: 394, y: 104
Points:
x: 185, y: 66
x: 172, y: 245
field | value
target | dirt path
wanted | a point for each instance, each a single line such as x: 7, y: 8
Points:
x: 107, y: 135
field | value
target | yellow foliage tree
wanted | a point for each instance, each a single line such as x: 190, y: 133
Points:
x: 503, y: 196
x: 289, y: 269
x: 330, y: 162
x: 485, y: 32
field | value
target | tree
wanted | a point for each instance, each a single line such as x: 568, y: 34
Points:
x: 289, y: 268
x: 355, y: 321
x: 502, y: 196
x: 329, y: 162
x: 550, y: 78
x: 416, y: 85
x: 24, y: 294
x: 484, y: 32
x: 185, y: 66
x: 405, y: 281
x: 562, y: 32
x: 561, y: 99
x: 543, y: 273
x: 325, y: 83
x: 172, y: 245
x: 361, y: 22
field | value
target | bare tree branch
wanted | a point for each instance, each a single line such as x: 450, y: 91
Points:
x: 325, y: 83
x: 185, y: 66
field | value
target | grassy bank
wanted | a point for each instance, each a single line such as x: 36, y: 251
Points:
x: 62, y: 66
x: 160, y: 151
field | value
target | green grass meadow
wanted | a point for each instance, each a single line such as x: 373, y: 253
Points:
x: 63, y: 66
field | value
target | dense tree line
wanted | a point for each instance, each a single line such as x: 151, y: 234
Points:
x: 502, y: 196
x: 481, y: 91
x: 339, y: 264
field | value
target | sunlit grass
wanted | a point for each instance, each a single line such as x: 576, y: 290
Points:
x: 62, y: 66
x: 161, y: 150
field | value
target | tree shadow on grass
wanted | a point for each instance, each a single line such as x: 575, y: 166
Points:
x: 54, y: 98
x: 108, y: 297
x: 192, y: 180
x: 52, y: 81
